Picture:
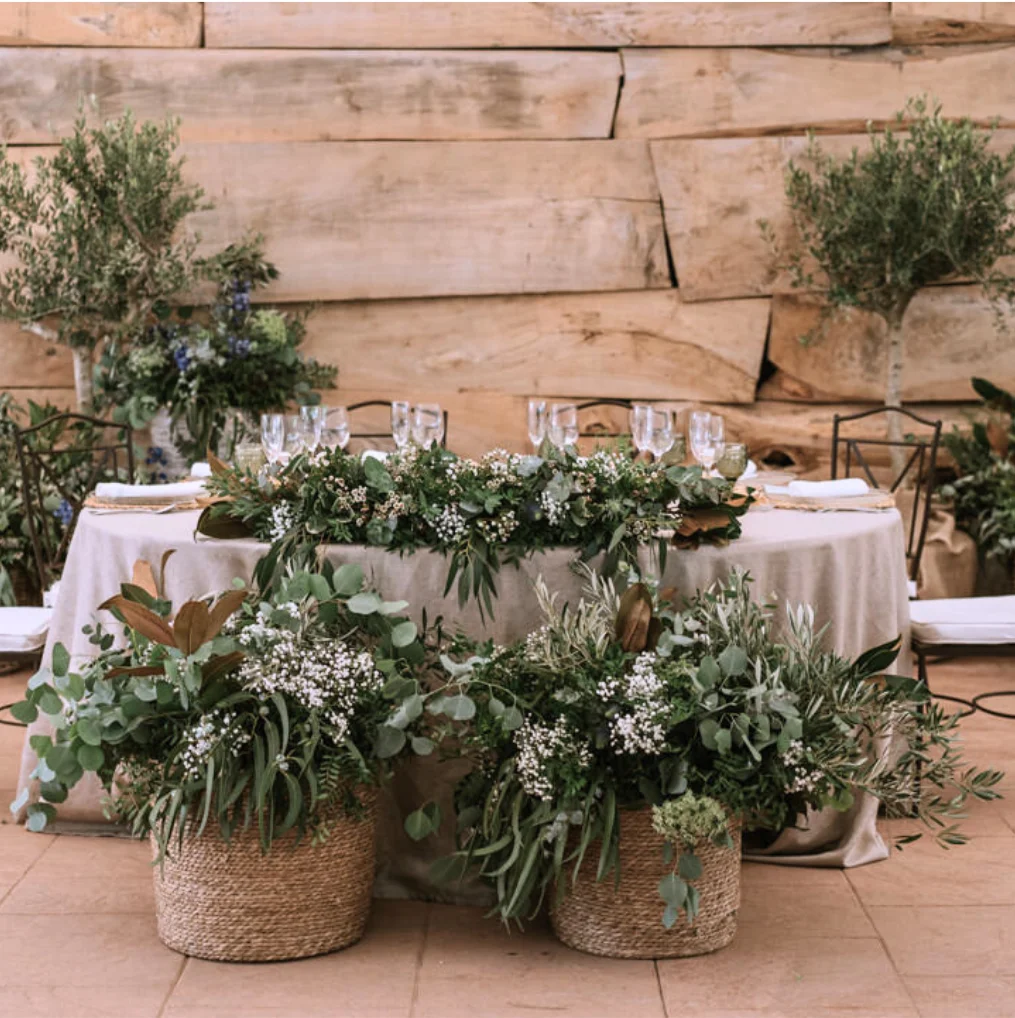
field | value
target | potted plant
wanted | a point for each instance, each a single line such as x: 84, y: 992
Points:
x: 245, y: 735
x: 623, y: 747
x: 201, y: 378
x: 95, y: 234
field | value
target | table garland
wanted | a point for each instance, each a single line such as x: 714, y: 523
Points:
x: 482, y: 513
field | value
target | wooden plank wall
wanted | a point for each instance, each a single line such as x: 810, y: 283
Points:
x: 489, y: 201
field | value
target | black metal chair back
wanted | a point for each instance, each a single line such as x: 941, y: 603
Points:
x: 373, y: 435
x: 597, y: 429
x: 72, y: 473
x: 919, y: 466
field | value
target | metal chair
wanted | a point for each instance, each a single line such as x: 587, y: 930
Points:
x: 385, y: 434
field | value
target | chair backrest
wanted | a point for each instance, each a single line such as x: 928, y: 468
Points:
x: 49, y: 464
x: 596, y: 428
x: 919, y: 467
x: 373, y: 435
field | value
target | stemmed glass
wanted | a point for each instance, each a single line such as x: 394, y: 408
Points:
x: 295, y: 438
x: 640, y: 415
x: 272, y: 436
x: 400, y: 423
x: 427, y: 424
x: 708, y: 438
x: 659, y: 432
x: 537, y: 422
x: 563, y: 428
x: 312, y: 418
x: 335, y: 432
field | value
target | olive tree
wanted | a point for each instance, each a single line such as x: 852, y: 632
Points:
x: 93, y: 236
x: 926, y: 202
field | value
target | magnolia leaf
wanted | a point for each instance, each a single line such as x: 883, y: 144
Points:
x: 143, y: 576
x: 220, y: 665
x: 634, y: 618
x: 218, y: 467
x: 190, y: 629
x: 142, y: 620
x: 224, y: 607
x: 216, y: 522
x: 135, y: 670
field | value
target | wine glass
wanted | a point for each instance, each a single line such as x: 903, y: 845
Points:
x: 537, y: 422
x: 272, y: 436
x: 295, y: 436
x: 707, y: 436
x: 563, y: 429
x: 640, y: 413
x: 312, y: 418
x: 717, y: 429
x: 335, y: 433
x: 427, y: 424
x: 659, y: 432
x: 400, y: 423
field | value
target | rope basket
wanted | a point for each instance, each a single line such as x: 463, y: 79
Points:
x: 625, y: 920
x: 234, y: 903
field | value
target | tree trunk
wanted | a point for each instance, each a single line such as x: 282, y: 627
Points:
x: 893, y: 391
x: 83, y: 378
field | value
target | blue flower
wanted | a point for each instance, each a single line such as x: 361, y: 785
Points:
x: 156, y: 455
x: 64, y: 512
x: 241, y: 295
x: 239, y: 347
x: 182, y: 358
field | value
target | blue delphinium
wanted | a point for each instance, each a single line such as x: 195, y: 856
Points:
x: 182, y: 358
x: 238, y: 347
x: 241, y: 295
x: 64, y: 512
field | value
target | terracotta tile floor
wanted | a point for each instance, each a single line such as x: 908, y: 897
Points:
x: 929, y: 932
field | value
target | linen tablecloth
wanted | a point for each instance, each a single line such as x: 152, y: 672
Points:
x: 849, y: 565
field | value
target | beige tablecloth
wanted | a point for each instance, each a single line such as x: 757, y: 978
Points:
x: 849, y: 566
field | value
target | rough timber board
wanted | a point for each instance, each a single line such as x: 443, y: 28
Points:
x: 100, y: 24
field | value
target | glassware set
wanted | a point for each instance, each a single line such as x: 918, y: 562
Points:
x: 707, y: 435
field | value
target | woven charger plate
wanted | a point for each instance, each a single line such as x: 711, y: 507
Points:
x: 856, y: 503
x: 148, y: 504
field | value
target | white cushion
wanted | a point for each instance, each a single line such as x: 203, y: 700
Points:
x: 23, y: 630
x: 974, y: 620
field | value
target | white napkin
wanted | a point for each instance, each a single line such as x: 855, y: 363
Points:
x: 846, y: 487
x: 200, y: 469
x: 752, y: 469
x: 161, y: 492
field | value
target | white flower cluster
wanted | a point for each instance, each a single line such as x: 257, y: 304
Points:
x: 450, y: 525
x: 261, y: 630
x: 561, y: 822
x: 540, y: 747
x: 283, y: 519
x: 639, y: 727
x: 805, y: 779
x: 552, y: 509
x: 201, y: 741
x: 500, y: 528
x: 329, y: 676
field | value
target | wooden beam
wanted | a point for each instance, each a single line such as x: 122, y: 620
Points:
x: 468, y: 25
x: 27, y: 360
x: 916, y: 24
x: 100, y: 24
x: 274, y: 95
x: 644, y: 345
x: 716, y: 191
x: 950, y: 335
x: 404, y: 219
x: 671, y: 93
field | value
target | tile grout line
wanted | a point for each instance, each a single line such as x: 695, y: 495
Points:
x: 419, y: 960
x: 172, y: 988
x: 28, y: 869
x: 659, y: 987
x: 882, y: 942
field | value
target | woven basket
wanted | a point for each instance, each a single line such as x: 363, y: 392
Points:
x: 234, y: 903
x: 625, y: 921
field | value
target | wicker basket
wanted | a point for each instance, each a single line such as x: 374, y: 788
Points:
x: 625, y: 921
x: 234, y: 903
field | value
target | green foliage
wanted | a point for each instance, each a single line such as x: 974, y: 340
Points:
x: 202, y: 363
x: 983, y: 493
x: 709, y: 704
x: 482, y: 514
x: 241, y: 710
x: 926, y: 202
x: 96, y: 231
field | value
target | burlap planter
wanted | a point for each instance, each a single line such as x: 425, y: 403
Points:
x: 625, y: 920
x: 234, y: 903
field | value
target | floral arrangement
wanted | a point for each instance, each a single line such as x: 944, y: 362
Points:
x: 202, y: 366
x: 619, y: 703
x: 75, y: 467
x: 238, y: 710
x: 481, y: 513
x: 983, y: 493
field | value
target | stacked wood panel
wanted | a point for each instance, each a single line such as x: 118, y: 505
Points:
x: 492, y: 201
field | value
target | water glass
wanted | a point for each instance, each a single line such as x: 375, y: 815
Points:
x: 563, y: 429
x: 313, y: 424
x: 640, y: 416
x: 295, y: 435
x: 660, y: 432
x: 733, y: 461
x: 537, y: 422
x: 708, y: 438
x: 401, y: 423
x: 427, y: 424
x: 249, y: 457
x: 272, y: 436
x: 335, y: 433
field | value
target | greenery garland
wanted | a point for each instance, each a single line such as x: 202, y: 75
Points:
x: 483, y: 513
